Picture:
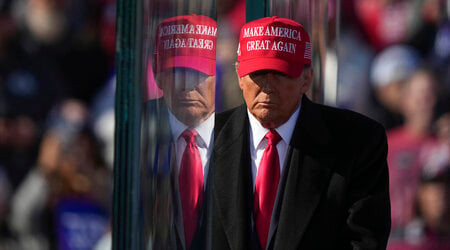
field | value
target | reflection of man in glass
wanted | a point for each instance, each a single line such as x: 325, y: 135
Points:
x: 185, y: 70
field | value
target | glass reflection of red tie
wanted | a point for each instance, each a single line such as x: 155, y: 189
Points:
x: 191, y: 185
x: 266, y: 186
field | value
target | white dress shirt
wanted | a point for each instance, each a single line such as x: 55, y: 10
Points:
x: 258, y: 143
x: 203, y: 141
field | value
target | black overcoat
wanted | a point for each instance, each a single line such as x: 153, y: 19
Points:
x: 333, y: 193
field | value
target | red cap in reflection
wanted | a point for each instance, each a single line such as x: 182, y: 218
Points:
x: 186, y: 41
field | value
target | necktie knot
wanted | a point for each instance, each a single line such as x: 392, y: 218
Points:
x: 189, y: 136
x: 273, y: 138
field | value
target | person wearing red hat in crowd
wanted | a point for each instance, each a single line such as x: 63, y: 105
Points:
x: 289, y: 173
x: 181, y: 142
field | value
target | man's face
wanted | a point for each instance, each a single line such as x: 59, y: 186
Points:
x: 273, y: 97
x: 418, y: 95
x: 189, y: 94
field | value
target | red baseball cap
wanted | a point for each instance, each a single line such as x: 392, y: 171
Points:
x: 273, y: 43
x: 186, y: 41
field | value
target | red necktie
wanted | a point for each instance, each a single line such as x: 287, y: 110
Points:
x: 266, y: 186
x: 191, y: 185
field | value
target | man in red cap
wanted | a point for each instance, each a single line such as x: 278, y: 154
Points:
x: 289, y: 173
x: 181, y: 142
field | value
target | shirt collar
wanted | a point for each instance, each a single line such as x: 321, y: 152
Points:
x: 204, y: 129
x: 285, y: 130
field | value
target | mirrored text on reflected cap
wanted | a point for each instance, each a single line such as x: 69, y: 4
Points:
x: 186, y: 41
x: 273, y: 43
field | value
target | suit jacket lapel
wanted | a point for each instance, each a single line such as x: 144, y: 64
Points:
x: 170, y: 165
x: 307, y: 174
x: 160, y: 160
x: 178, y: 212
x: 277, y: 206
x: 232, y: 179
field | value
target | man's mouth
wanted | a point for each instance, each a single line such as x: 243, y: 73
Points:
x: 266, y: 105
x: 187, y: 101
x: 266, y: 102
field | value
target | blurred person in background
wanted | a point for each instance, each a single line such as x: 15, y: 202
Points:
x: 428, y: 16
x: 49, y: 50
x: 67, y: 36
x: 434, y: 191
x: 430, y: 229
x: 416, y: 103
x: 63, y: 203
x: 389, y: 71
x: 29, y: 87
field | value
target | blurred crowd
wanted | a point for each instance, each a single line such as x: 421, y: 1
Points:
x: 57, y: 112
x: 393, y: 60
x: 56, y: 122
x: 394, y: 66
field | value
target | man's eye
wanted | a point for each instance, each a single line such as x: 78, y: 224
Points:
x: 265, y: 72
x: 252, y: 75
x: 280, y: 74
x: 258, y: 73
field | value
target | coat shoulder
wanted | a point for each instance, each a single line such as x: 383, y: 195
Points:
x: 227, y: 116
x: 345, y: 120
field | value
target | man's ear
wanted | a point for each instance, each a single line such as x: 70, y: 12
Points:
x: 306, y: 78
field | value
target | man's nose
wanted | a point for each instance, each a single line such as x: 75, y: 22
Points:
x: 268, y: 82
x: 180, y: 83
x: 186, y: 83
